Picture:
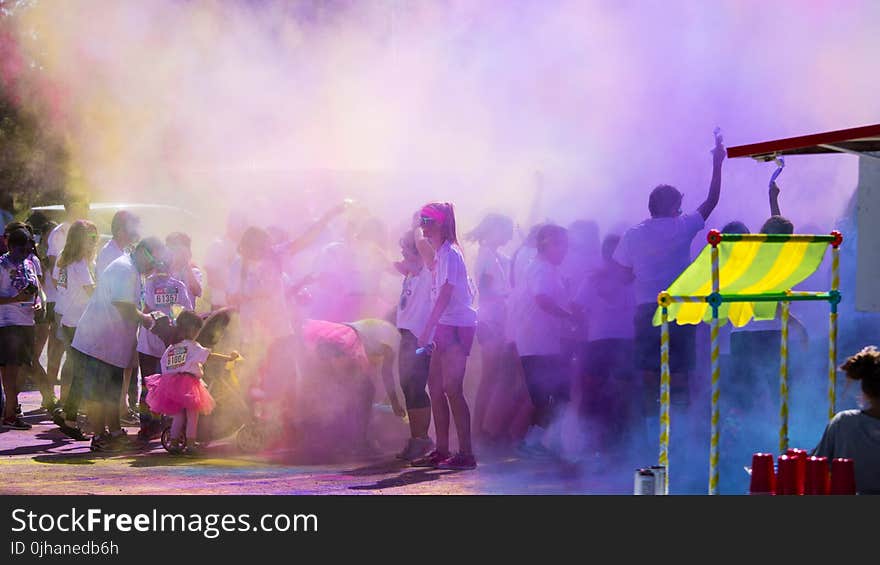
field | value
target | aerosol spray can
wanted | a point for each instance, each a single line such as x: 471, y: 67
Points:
x: 660, y: 479
x: 645, y: 482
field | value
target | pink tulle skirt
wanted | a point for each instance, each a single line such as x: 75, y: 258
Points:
x: 172, y: 393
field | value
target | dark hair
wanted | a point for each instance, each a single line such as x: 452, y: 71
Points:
x: 12, y: 226
x: 39, y: 221
x: 547, y: 233
x: 735, y: 227
x: 609, y: 245
x: 778, y: 225
x: 865, y: 366
x: 178, y: 238
x: 189, y: 320
x: 19, y: 238
x: 661, y: 198
x: 121, y: 219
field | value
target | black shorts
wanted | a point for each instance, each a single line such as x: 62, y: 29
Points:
x: 646, y: 349
x: 16, y: 345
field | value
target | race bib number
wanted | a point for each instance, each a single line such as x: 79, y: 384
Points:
x: 177, y: 358
x: 165, y: 296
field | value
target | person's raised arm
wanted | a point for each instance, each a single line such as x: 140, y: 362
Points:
x: 774, y: 199
x: 311, y: 234
x: 718, y: 153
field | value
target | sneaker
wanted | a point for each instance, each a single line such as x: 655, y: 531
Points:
x: 112, y: 442
x: 175, y: 447
x: 100, y: 441
x: 191, y: 449
x: 459, y: 462
x: 533, y: 450
x: 72, y: 431
x: 16, y: 424
x: 433, y: 459
x: 58, y: 417
x: 415, y: 448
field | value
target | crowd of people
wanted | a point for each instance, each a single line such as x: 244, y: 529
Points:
x: 563, y: 327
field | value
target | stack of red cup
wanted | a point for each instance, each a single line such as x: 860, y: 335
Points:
x: 763, y: 478
x: 786, y: 475
x: 817, y: 479
x: 800, y: 457
x: 843, y: 476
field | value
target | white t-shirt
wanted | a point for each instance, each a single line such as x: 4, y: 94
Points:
x: 520, y: 264
x: 186, y: 356
x: 109, y: 253
x: 54, y: 245
x: 609, y: 305
x: 449, y: 267
x: 658, y: 250
x: 102, y: 332
x: 161, y: 293
x: 72, y: 296
x: 415, y: 303
x: 263, y: 310
x: 14, y: 277
x: 540, y: 333
x: 491, y: 272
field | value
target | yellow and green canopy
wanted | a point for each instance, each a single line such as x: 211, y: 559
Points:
x: 745, y: 267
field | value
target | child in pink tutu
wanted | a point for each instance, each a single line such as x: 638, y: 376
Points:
x: 179, y: 390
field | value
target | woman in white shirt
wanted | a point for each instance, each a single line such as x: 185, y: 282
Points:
x: 74, y: 277
x: 450, y: 327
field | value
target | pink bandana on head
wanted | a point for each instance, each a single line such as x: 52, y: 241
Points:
x: 433, y: 213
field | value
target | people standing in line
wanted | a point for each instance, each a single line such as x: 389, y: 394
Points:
x: 608, y: 302
x: 450, y: 328
x: 657, y: 251
x: 413, y: 310
x: 76, y: 209
x: 38, y: 374
x: 74, y: 277
x: 546, y: 308
x: 106, y: 337
x: 125, y: 231
x: 164, y: 297
x: 492, y: 275
x: 20, y: 298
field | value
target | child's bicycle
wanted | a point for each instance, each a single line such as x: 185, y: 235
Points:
x: 232, y: 415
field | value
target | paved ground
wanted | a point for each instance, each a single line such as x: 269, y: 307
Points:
x: 44, y: 461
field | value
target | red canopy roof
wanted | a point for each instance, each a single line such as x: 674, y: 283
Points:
x: 853, y: 140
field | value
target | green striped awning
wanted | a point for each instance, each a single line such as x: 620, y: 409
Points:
x: 745, y: 267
